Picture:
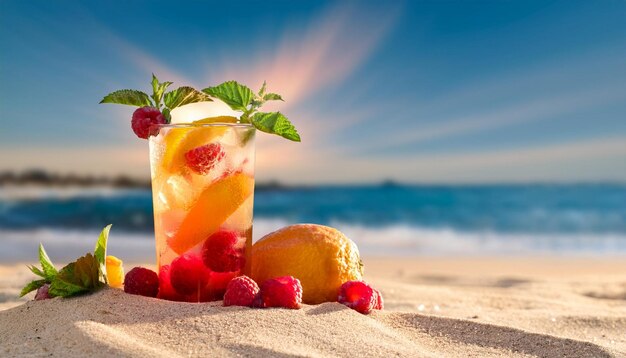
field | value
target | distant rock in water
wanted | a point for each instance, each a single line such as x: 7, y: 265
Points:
x: 390, y: 183
x: 38, y: 177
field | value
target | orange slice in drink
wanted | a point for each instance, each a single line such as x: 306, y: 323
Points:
x: 212, y: 207
x: 180, y: 140
x: 241, y: 219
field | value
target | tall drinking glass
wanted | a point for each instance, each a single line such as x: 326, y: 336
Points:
x: 202, y: 192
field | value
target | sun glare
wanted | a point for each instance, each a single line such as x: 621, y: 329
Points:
x: 195, y: 111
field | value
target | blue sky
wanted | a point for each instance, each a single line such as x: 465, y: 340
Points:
x: 416, y: 91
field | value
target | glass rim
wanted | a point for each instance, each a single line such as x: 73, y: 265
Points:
x: 195, y: 125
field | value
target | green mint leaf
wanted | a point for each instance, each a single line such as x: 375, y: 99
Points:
x: 129, y: 97
x: 262, y: 90
x: 158, y: 88
x: 78, y: 277
x: 184, y: 95
x: 33, y: 285
x: 275, y: 123
x: 273, y: 97
x: 155, y: 90
x: 48, y: 268
x: 36, y: 271
x: 235, y: 95
x: 155, y: 83
x: 100, y: 252
x: 256, y: 103
x: 167, y: 115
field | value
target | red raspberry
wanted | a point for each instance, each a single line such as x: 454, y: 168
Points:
x: 241, y: 291
x: 380, y: 304
x: 141, y: 281
x: 358, y: 295
x: 188, y: 274
x: 166, y: 291
x: 258, y: 301
x: 218, y: 282
x: 285, y: 291
x: 202, y: 159
x: 216, y: 286
x: 144, y: 121
x: 42, y: 292
x: 221, y: 254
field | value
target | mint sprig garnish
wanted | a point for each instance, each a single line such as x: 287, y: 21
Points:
x: 268, y: 96
x: 241, y: 98
x: 184, y: 95
x: 236, y: 96
x: 129, y: 97
x: 158, y: 89
x: 161, y: 100
x: 276, y: 123
x: 86, y: 274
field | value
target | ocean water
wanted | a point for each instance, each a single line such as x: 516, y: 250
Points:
x: 382, y: 219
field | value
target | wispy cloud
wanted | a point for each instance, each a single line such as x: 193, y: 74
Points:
x: 319, y: 55
x: 308, y: 59
x: 524, y: 110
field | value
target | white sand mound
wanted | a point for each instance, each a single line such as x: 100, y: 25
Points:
x: 112, y: 323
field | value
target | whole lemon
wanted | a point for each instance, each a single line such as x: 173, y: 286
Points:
x: 321, y: 257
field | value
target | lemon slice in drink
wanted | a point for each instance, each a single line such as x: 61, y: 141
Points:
x: 179, y: 140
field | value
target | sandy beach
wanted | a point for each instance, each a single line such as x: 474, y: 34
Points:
x: 459, y: 307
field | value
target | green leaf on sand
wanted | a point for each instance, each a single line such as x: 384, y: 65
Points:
x: 184, y: 95
x: 100, y: 252
x: 77, y: 277
x: 36, y: 271
x: 47, y: 272
x: 33, y: 285
x: 48, y: 268
x: 129, y: 97
x: 235, y: 95
x: 275, y: 123
x: 86, y: 274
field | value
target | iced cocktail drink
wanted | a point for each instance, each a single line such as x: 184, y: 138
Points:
x: 202, y: 185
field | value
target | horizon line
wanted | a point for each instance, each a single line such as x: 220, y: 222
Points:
x: 48, y: 179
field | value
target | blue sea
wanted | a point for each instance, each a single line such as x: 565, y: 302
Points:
x: 382, y: 219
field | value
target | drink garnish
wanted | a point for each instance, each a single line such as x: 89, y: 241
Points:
x: 163, y: 101
x: 241, y: 98
x: 156, y: 109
